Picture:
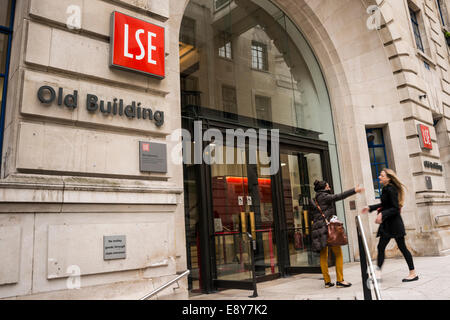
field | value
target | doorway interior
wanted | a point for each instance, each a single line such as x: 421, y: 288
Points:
x: 227, y: 203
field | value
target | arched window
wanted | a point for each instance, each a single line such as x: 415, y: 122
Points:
x: 244, y: 64
x: 254, y: 48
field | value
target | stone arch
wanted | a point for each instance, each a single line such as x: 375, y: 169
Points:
x: 312, y: 18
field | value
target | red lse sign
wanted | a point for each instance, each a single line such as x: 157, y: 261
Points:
x: 137, y: 45
x: 425, y: 137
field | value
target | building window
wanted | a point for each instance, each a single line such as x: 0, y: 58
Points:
x: 229, y: 101
x: 220, y: 4
x: 416, y: 29
x: 259, y: 56
x: 442, y: 7
x: 6, y: 29
x: 6, y: 13
x: 187, y: 33
x: 190, y: 96
x: 225, y: 50
x: 263, y: 107
x: 378, y: 156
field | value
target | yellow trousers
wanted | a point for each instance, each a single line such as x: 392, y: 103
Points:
x: 339, y: 264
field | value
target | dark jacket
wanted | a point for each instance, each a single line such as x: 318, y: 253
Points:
x: 392, y: 223
x: 319, y: 229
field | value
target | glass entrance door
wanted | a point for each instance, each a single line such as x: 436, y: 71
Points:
x: 232, y: 199
x: 242, y: 205
x: 299, y: 170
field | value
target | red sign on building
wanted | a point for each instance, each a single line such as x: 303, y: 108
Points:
x: 424, y: 137
x: 137, y: 45
x: 146, y: 147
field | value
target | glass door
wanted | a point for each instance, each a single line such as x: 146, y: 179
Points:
x: 229, y: 184
x: 299, y: 170
x: 192, y: 220
x: 242, y: 205
x: 261, y: 195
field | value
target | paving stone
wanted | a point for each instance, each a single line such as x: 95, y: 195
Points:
x: 433, y: 284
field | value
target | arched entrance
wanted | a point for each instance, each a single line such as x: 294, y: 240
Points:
x: 248, y: 74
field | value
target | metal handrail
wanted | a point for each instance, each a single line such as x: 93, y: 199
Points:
x: 165, y: 285
x: 252, y: 253
x: 372, y: 277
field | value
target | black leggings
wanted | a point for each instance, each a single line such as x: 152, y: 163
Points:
x: 401, y: 245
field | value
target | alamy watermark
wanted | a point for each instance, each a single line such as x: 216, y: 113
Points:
x: 220, y: 150
x: 374, y: 21
x: 74, y: 279
x: 73, y: 21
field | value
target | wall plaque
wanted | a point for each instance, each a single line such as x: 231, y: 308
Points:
x: 152, y: 157
x: 428, y: 183
x: 424, y: 137
x: 114, y: 247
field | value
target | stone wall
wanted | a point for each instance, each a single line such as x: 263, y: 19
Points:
x: 70, y: 177
x: 375, y: 79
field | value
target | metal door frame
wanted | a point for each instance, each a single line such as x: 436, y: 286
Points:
x: 298, y: 148
x: 288, y: 141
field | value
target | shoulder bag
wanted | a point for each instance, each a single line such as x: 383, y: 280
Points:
x: 336, y: 232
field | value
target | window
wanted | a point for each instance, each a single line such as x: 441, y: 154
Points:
x: 6, y: 27
x: 187, y: 35
x: 225, y: 46
x: 378, y: 156
x: 229, y: 100
x: 416, y: 29
x: 5, y: 13
x: 259, y: 56
x: 225, y: 50
x: 263, y: 107
x: 443, y: 12
x: 190, y: 96
x: 3, y: 53
x: 219, y: 4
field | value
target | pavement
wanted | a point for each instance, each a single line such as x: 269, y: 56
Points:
x: 433, y: 284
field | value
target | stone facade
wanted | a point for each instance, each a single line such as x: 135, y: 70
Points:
x: 68, y: 177
x: 376, y: 79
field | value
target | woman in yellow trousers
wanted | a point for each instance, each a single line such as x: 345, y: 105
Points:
x: 319, y: 231
x: 339, y: 267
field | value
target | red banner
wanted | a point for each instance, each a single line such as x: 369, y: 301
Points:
x: 137, y: 45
